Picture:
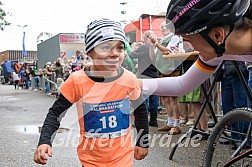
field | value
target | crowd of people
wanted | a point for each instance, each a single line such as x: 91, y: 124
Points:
x: 49, y: 78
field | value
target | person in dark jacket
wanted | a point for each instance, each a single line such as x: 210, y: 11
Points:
x: 146, y: 69
x: 233, y: 93
x: 58, y: 69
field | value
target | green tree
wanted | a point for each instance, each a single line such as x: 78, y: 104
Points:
x: 3, y: 21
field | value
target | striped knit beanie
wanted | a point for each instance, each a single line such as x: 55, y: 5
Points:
x: 103, y: 30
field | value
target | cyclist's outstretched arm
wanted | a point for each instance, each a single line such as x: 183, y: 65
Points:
x: 197, y: 74
x: 181, y: 85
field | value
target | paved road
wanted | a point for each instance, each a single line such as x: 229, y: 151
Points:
x: 22, y: 112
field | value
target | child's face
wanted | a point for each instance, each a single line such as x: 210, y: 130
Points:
x: 108, y: 56
x: 59, y: 82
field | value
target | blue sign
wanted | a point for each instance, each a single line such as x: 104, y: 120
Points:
x: 107, y: 117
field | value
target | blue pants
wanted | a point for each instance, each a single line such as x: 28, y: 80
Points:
x: 250, y: 77
x: 47, y: 86
x: 152, y: 103
x: 233, y: 93
x: 36, y: 82
x: 250, y: 82
x: 234, y: 96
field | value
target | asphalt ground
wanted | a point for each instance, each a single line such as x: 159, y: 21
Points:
x: 22, y: 112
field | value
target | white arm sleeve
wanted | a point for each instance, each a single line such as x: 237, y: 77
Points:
x: 196, y: 75
x: 176, y: 86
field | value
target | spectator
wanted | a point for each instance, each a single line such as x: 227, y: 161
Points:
x: 58, y: 69
x: 47, y: 73
x: 35, y: 77
x: 73, y: 62
x: 66, y: 74
x: 58, y: 83
x: 78, y: 56
x: 168, y: 68
x: 232, y: 90
x: 15, y: 79
x: 79, y: 66
x: 146, y: 69
x: 249, y: 67
x: 127, y: 62
x: 233, y: 93
x: 186, y: 107
x: 24, y: 75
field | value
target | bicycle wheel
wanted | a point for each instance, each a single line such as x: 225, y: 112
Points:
x: 230, y: 138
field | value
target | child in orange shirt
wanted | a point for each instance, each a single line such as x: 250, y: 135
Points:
x: 103, y: 92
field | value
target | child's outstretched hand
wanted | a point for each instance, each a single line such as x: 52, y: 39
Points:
x: 40, y: 154
x: 140, y: 153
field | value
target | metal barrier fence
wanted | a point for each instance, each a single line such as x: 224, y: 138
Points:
x: 42, y: 81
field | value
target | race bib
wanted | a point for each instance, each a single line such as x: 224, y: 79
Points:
x: 107, y: 119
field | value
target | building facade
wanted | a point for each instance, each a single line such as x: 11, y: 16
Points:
x: 51, y: 49
x: 17, y: 55
x: 134, y: 30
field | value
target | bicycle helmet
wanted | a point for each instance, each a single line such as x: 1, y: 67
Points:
x: 194, y: 16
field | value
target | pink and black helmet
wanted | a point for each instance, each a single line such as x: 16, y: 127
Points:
x: 194, y: 16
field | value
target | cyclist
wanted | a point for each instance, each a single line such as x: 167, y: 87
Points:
x: 218, y: 29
